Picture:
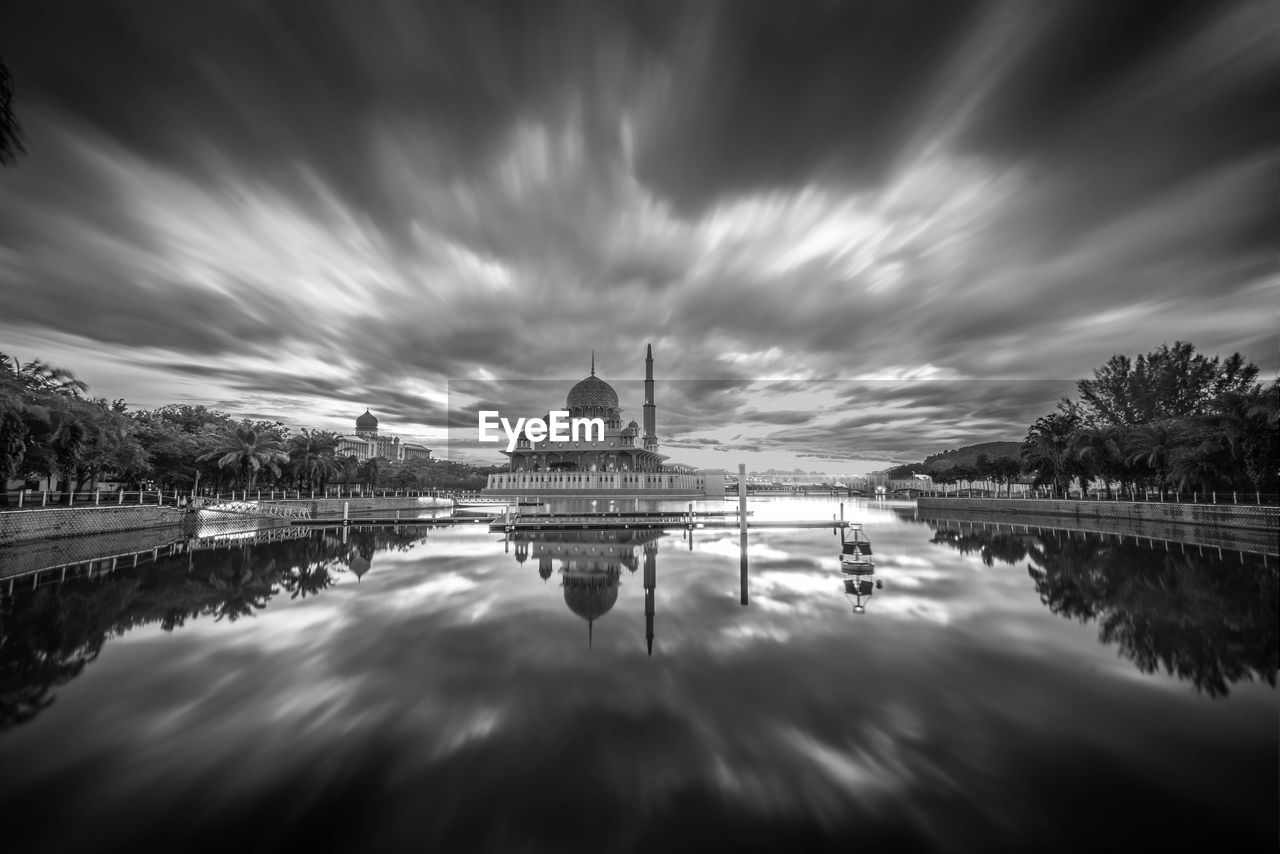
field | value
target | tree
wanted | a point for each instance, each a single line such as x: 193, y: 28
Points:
x: 1169, y: 382
x: 349, y: 466
x: 311, y: 457
x: 1100, y: 451
x: 11, y: 135
x: 175, y: 436
x: 1046, y: 450
x: 1001, y: 470
x: 1201, y: 463
x: 1152, y: 447
x: 248, y: 449
x: 44, y: 423
x: 369, y: 471
x: 1249, y: 422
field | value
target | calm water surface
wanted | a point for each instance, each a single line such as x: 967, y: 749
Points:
x: 615, y: 691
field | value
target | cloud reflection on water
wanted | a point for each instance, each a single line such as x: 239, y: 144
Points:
x: 455, y: 675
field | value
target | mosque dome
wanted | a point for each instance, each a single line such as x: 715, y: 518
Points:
x: 592, y: 392
x: 591, y: 597
x: 368, y: 421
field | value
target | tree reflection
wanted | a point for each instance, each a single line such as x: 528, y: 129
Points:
x: 1210, y: 620
x: 48, y: 635
x: 991, y: 547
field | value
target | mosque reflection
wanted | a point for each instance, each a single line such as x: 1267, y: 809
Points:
x: 590, y: 566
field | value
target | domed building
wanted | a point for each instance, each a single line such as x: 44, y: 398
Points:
x: 367, y: 425
x: 620, y: 449
x: 367, y: 443
x: 622, y: 461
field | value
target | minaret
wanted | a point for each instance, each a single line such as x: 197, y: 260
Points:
x: 650, y: 582
x: 650, y: 410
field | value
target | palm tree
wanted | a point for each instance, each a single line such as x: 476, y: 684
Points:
x: 248, y: 451
x: 311, y: 456
x: 1152, y: 446
x: 1046, y: 450
x: 369, y: 471
x: 1200, y: 464
x: 348, y: 467
x: 1250, y: 424
x: 38, y: 378
x: 1099, y: 450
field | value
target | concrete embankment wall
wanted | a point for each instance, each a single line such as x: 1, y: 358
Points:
x: 1207, y: 536
x: 1215, y: 515
x: 1248, y: 528
x: 49, y: 523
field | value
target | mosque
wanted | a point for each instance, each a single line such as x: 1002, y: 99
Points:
x: 622, y: 462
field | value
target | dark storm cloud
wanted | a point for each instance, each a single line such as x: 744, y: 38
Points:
x: 774, y: 99
x: 341, y: 205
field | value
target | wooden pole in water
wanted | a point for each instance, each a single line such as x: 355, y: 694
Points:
x: 742, y: 497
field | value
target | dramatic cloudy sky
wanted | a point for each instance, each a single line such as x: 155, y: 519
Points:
x: 853, y: 231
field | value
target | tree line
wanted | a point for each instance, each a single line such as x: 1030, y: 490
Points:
x: 1172, y: 420
x: 51, y: 428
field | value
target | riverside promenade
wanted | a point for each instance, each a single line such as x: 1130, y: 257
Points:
x: 156, y: 510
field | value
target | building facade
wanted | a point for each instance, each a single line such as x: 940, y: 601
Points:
x: 624, y: 460
x: 368, y: 442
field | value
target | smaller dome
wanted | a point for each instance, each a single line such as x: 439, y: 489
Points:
x: 367, y: 421
x: 634, y: 424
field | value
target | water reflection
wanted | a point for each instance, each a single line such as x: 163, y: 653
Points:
x: 459, y: 678
x: 590, y: 568
x: 48, y: 634
x: 859, y: 588
x: 1204, y: 616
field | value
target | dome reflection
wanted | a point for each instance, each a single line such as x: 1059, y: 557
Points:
x: 590, y: 564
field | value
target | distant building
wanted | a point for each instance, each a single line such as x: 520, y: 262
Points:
x: 368, y: 442
x: 354, y: 446
x: 413, y: 451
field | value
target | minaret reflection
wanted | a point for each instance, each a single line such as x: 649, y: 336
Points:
x: 650, y: 584
x: 590, y: 567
